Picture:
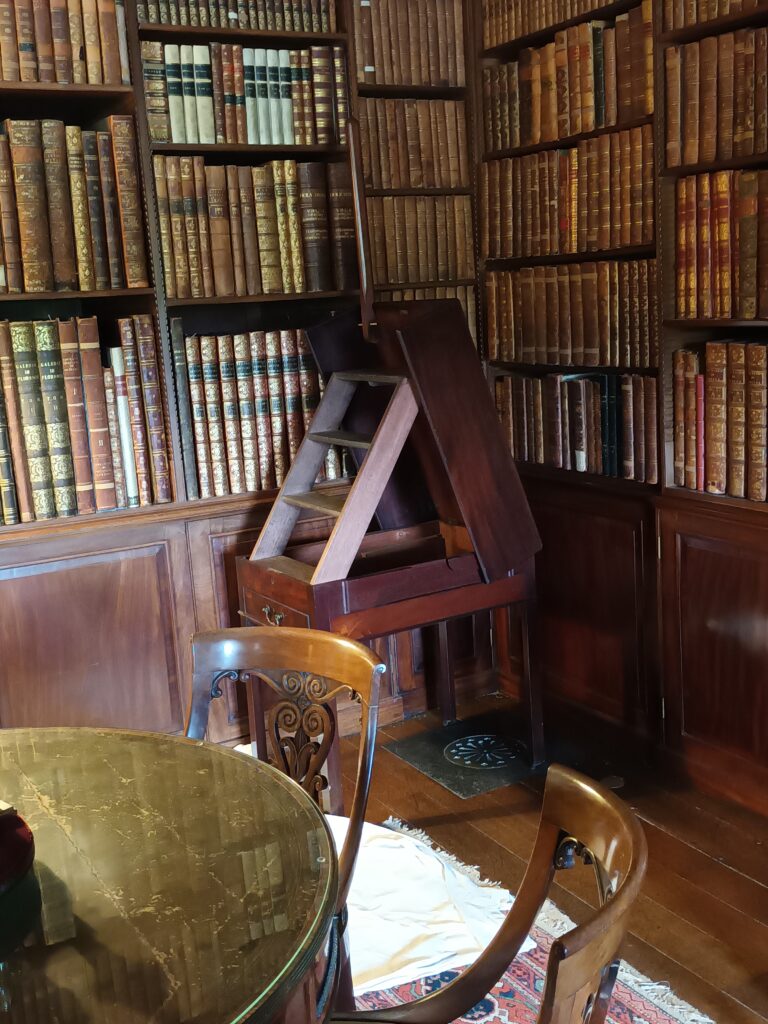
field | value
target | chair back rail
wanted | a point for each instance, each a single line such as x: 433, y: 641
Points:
x: 304, y: 670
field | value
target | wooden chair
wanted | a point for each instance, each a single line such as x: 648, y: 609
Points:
x: 580, y: 820
x: 304, y: 670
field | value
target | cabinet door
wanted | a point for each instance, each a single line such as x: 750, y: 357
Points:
x: 715, y: 630
x: 95, y: 626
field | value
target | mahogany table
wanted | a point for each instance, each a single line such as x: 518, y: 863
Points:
x: 179, y: 881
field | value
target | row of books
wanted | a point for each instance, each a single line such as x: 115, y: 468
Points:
x: 64, y: 41
x: 679, y: 14
x: 464, y: 293
x: 76, y: 437
x: 717, y: 98
x: 400, y: 43
x: 245, y: 403
x: 597, y: 195
x: 260, y: 15
x: 421, y: 238
x: 220, y: 93
x: 71, y: 207
x: 414, y: 143
x: 597, y: 423
x: 720, y: 400
x: 581, y: 314
x: 506, y: 20
x: 721, y: 251
x: 282, y: 227
x: 592, y: 76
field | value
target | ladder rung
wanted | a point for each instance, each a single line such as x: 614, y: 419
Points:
x: 369, y: 377
x: 288, y: 567
x: 346, y: 438
x: 318, y: 501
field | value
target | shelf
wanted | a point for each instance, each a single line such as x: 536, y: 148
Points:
x: 735, y: 163
x: 411, y: 92
x: 714, y: 501
x: 715, y: 26
x: 218, y: 300
x: 508, y: 50
x: 568, y: 142
x: 627, y: 252
x: 720, y: 325
x: 62, y: 91
x: 375, y: 193
x: 240, y: 151
x: 504, y: 367
x: 461, y: 282
x: 538, y: 472
x: 264, y: 37
x: 106, y: 295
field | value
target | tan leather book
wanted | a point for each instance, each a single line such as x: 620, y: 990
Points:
x: 155, y: 91
x: 76, y: 416
x: 9, y: 222
x: 43, y: 41
x: 164, y: 218
x: 199, y: 416
x: 130, y: 206
x: 258, y: 342
x: 80, y: 214
x: 678, y: 417
x: 739, y: 91
x: 693, y: 457
x: 294, y: 418
x: 62, y: 49
x: 178, y: 227
x: 9, y: 51
x: 214, y: 414
x: 24, y: 138
x: 236, y: 230
x: 77, y: 42
x: 746, y: 145
x: 59, y: 205
x: 673, y: 83
x: 266, y: 226
x: 25, y: 35
x: 283, y: 230
x: 722, y: 191
x: 591, y: 199
x: 248, y: 223
x: 294, y: 224
x: 587, y: 79
x: 562, y: 107
x: 725, y: 95
x: 203, y: 227
x: 96, y: 413
x: 189, y: 212
x: 219, y: 230
x: 610, y: 82
x: 231, y: 413
x: 247, y: 411
x: 636, y: 214
x: 133, y: 389
x: 690, y: 109
x: 549, y: 109
x: 578, y: 339
x: 746, y: 214
x: 715, y: 419
x: 96, y: 211
x: 574, y: 79
x: 323, y: 97
x: 110, y: 45
x: 736, y: 430
x: 92, y: 42
x: 756, y: 422
x: 708, y: 100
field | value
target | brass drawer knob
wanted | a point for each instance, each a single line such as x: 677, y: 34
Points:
x: 273, y: 618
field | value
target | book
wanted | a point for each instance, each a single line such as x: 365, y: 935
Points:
x: 54, y: 402
x: 98, y: 425
x: 76, y: 415
x: 25, y: 142
x: 184, y: 406
x: 32, y: 413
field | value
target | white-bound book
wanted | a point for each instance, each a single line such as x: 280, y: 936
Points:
x: 251, y: 106
x: 122, y: 43
x: 286, y: 102
x: 262, y: 96
x: 175, y: 94
x: 117, y: 363
x: 188, y: 93
x: 273, y: 87
x: 206, y: 123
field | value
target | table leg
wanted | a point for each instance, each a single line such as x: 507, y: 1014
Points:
x: 442, y: 659
x: 531, y: 682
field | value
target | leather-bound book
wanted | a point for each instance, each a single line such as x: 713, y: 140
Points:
x: 322, y: 88
x: 33, y: 419
x: 624, y: 68
x: 708, y: 99
x: 691, y: 447
x: 587, y: 79
x: 549, y: 121
x: 736, y: 432
x: 307, y: 98
x: 340, y: 93
x: 266, y: 227
x: 238, y: 80
x: 279, y: 431
x: 178, y: 229
x: 110, y: 44
x: 113, y: 423
x: 137, y: 428
x: 129, y: 200
x: 217, y: 89
x: 108, y: 186
x: 291, y: 174
x: 308, y: 379
x: 740, y: 91
x: 59, y: 205
x: 92, y: 42
x: 258, y: 343
x: 248, y: 224
x: 627, y: 431
x: 25, y: 35
x: 578, y: 340
x: 725, y: 96
x: 77, y: 42
x: 610, y: 83
x: 313, y: 207
x: 715, y: 421
x: 214, y: 414
x: 9, y: 506
x: 12, y: 403
x: 650, y: 435
x: 203, y: 227
x: 80, y: 215
x: 294, y: 419
x: 722, y: 192
x: 55, y: 411
x: 342, y: 224
x: 155, y: 91
x: 184, y: 406
x: 747, y: 147
x: 199, y: 415
x: 535, y: 125
x: 762, y: 245
x: 151, y: 386
x: 678, y: 416
x: 673, y: 81
x: 96, y: 413
x: 125, y: 458
x: 230, y: 413
x: 247, y: 411
x: 95, y: 211
x: 747, y: 234
x: 700, y: 431
x: 25, y: 142
x: 9, y: 50
x: 590, y: 354
x: 164, y: 218
x: 761, y: 90
x: 218, y: 222
x: 41, y: 16
x: 76, y: 416
x: 236, y: 230
x: 756, y: 422
x: 228, y: 83
x: 62, y: 50
x: 283, y: 233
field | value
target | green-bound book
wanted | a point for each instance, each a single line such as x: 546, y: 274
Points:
x: 56, y: 419
x: 33, y: 419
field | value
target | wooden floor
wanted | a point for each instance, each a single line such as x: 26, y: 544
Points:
x: 702, y: 923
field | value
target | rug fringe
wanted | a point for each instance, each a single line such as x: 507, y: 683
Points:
x: 554, y: 922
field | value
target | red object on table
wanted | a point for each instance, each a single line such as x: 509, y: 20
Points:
x: 17, y: 848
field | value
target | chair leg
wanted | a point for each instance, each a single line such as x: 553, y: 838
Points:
x: 531, y: 688
x: 344, y: 998
x: 442, y: 657
x: 256, y: 727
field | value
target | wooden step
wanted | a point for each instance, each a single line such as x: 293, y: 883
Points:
x: 345, y: 438
x: 318, y: 501
x: 369, y: 377
x: 288, y: 567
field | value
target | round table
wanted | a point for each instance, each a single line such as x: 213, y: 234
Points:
x: 179, y: 881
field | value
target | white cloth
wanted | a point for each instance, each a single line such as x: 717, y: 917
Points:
x: 411, y: 912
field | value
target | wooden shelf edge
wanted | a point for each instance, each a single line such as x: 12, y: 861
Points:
x: 536, y: 471
x: 569, y: 142
x: 723, y: 502
x: 714, y: 27
x: 561, y: 368
x: 113, y: 293
x: 377, y: 193
x: 460, y: 282
x: 734, y: 163
x: 64, y: 90
x: 627, y: 252
x: 508, y: 49
x: 375, y: 90
x: 246, y: 149
x: 173, y: 33
x: 719, y: 324
x: 258, y: 299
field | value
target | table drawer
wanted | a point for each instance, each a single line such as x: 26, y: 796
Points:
x: 263, y: 610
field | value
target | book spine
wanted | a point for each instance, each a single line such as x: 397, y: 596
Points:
x: 122, y: 42
x: 736, y: 419
x: 9, y: 506
x: 218, y: 221
x: 9, y: 222
x: 132, y: 460
x: 55, y: 411
x: 189, y: 211
x: 31, y: 204
x: 188, y: 95
x: 124, y: 155
x: 746, y: 212
x: 214, y: 414
x: 238, y: 78
x: 25, y: 35
x: 184, y: 405
x: 95, y: 211
x: 59, y: 205
x: 309, y: 384
x: 155, y: 91
x: 177, y: 226
x: 77, y: 41
x: 236, y: 230
x: 247, y: 410
x: 342, y: 225
x: 203, y: 226
x: 33, y: 419
x: 96, y: 411
x: 125, y: 364
x: 164, y: 219
x: 756, y: 422
x: 251, y: 105
x: 217, y: 87
x: 277, y: 406
x: 294, y: 225
x: 113, y: 423
x: 15, y: 429
x: 250, y: 239
x: 266, y: 226
x: 80, y: 216
x: 146, y: 343
x: 9, y: 47
x: 41, y: 16
x: 275, y: 121
x: 231, y: 413
x: 110, y: 43
x: 258, y: 342
x: 322, y: 86
x: 62, y: 50
x: 199, y: 416
x: 314, y: 224
x: 716, y: 452
x: 175, y: 92
x: 76, y: 415
x: 286, y: 104
x: 203, y: 94
x: 294, y: 419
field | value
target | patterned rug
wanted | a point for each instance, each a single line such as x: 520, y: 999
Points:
x: 516, y: 998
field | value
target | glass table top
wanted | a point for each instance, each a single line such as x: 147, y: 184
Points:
x: 178, y: 881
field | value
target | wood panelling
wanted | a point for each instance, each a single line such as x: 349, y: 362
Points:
x: 94, y: 629
x: 595, y: 590
x: 715, y: 610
